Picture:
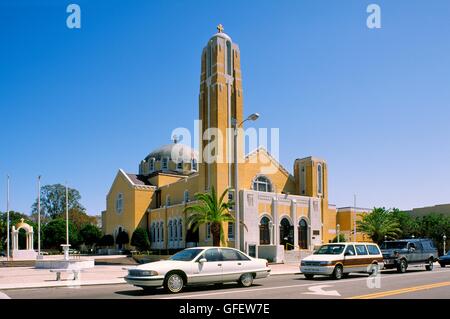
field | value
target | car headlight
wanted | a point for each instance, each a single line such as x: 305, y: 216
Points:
x: 142, y: 273
x: 325, y: 263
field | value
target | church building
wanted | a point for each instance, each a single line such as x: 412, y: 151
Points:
x: 283, y: 212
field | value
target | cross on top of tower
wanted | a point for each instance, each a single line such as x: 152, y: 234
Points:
x: 220, y: 28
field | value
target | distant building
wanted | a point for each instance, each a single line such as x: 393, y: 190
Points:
x: 423, y: 211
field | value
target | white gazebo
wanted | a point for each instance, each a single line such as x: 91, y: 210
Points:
x: 23, y: 254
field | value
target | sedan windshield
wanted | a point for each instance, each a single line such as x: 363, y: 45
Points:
x: 186, y: 255
x: 394, y: 245
x: 330, y: 250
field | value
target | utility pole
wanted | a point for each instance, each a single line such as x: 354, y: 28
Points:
x: 354, y: 220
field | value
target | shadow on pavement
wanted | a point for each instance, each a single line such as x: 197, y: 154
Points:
x: 160, y: 291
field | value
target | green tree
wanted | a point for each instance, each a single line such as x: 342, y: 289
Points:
x: 434, y: 226
x: 213, y: 210
x: 79, y: 218
x: 407, y: 223
x: 90, y: 234
x: 378, y: 224
x: 122, y: 238
x: 106, y: 241
x: 342, y: 239
x: 53, y: 201
x: 55, y: 234
x: 140, y: 240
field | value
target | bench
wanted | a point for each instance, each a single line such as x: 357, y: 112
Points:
x: 75, y: 272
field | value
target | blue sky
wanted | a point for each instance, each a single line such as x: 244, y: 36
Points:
x: 77, y: 105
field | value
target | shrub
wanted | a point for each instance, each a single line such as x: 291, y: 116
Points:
x: 140, y: 240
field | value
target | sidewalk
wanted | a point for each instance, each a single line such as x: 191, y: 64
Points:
x: 29, y: 277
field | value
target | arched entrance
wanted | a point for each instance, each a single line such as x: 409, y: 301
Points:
x: 192, y: 237
x: 264, y: 231
x: 303, y: 234
x: 286, y: 234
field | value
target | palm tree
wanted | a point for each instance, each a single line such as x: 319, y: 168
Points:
x: 378, y: 224
x: 212, y: 210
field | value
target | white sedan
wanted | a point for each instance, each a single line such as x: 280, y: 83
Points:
x: 199, y: 265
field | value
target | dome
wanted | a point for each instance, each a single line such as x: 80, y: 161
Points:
x: 175, y: 152
x: 221, y: 34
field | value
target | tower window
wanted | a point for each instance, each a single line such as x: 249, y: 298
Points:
x: 165, y: 162
x: 152, y: 165
x: 229, y: 55
x: 208, y: 60
x: 262, y: 184
x: 186, y: 196
x: 168, y: 200
x: 319, y: 179
x: 180, y: 166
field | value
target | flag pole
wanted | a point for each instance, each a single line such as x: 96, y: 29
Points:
x: 7, y: 219
x: 39, y: 215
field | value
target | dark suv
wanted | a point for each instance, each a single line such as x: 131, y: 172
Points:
x: 405, y: 252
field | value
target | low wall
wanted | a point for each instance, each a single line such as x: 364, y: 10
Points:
x: 64, y: 264
x: 273, y: 253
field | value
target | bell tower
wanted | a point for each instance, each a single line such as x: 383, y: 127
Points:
x: 220, y: 101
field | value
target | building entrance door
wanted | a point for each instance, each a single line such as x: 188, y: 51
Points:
x: 286, y: 234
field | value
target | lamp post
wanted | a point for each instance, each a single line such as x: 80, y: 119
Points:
x: 338, y: 230
x: 445, y: 239
x: 252, y: 117
x: 66, y: 245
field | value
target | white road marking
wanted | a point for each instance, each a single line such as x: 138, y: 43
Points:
x: 4, y: 296
x: 318, y: 290
x: 343, y: 281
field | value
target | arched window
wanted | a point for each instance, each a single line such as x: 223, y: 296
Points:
x: 262, y: 184
x: 161, y: 226
x: 264, y: 231
x: 319, y: 179
x: 119, y: 203
x: 303, y: 234
x: 170, y: 231
x: 180, y: 230
x: 186, y: 196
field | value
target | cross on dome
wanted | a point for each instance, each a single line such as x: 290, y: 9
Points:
x: 220, y: 28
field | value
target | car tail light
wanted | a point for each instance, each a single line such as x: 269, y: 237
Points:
x: 267, y: 264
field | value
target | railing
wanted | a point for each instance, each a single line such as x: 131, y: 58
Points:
x: 288, y: 244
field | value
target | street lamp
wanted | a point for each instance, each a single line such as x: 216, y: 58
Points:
x: 251, y: 117
x: 338, y: 229
x: 445, y: 239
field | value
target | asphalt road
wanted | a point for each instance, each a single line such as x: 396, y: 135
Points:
x: 416, y: 283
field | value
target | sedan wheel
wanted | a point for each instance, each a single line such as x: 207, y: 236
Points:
x: 442, y: 265
x: 174, y: 283
x: 246, y: 280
